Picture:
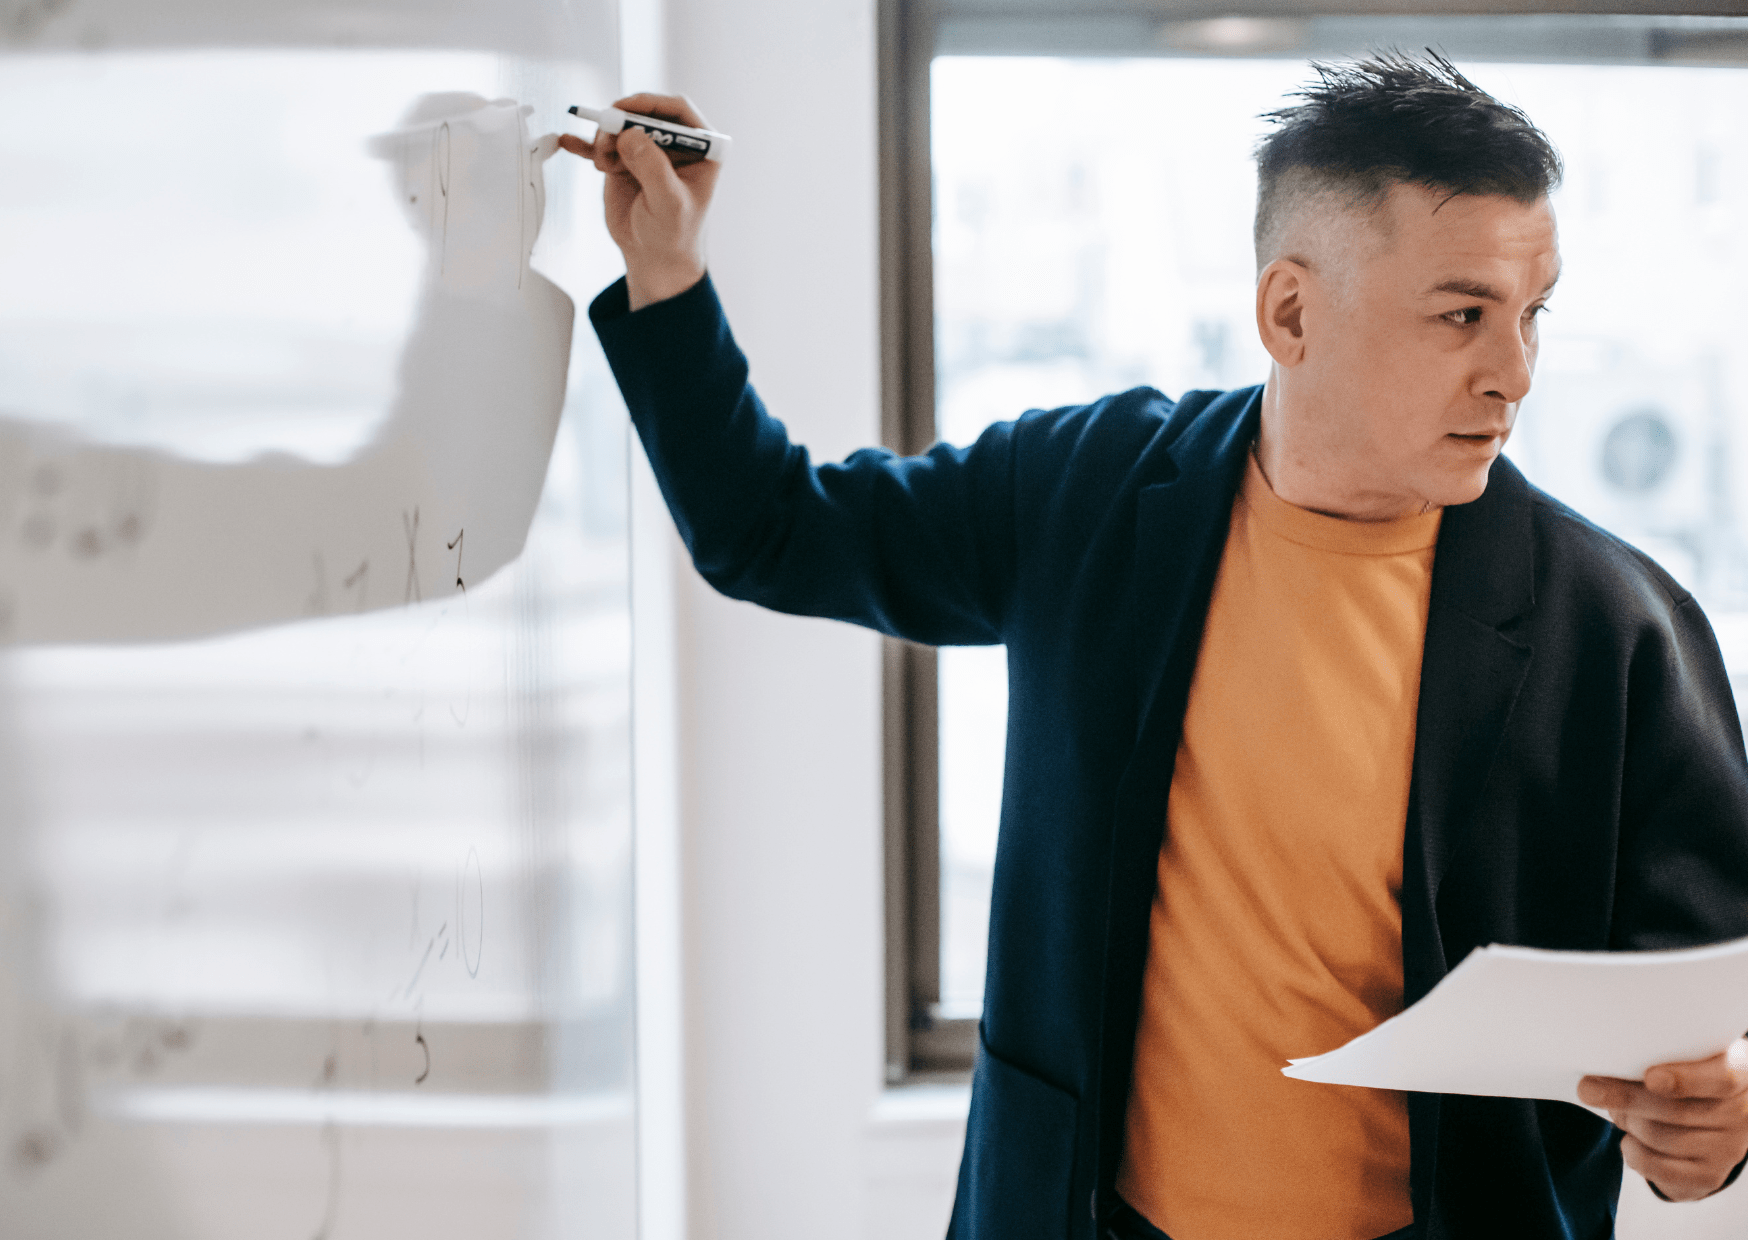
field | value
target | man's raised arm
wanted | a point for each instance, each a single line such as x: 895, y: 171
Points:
x: 919, y: 547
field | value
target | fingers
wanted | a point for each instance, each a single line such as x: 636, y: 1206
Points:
x: 599, y: 150
x: 1677, y: 1091
x: 1679, y: 1179
x: 1632, y: 1098
x: 1724, y: 1075
x: 602, y: 150
x: 663, y: 107
x: 645, y: 161
x: 1684, y: 1127
x: 1670, y: 1140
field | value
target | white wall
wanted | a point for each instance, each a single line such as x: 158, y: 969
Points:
x: 788, y: 1131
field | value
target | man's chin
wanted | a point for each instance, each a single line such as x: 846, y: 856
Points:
x: 1463, y: 487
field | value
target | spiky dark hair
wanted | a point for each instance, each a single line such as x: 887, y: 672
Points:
x: 1394, y: 118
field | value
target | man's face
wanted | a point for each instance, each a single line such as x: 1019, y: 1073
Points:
x: 1416, y: 361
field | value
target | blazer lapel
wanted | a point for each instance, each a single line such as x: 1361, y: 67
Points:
x: 1483, y: 579
x: 1180, y: 532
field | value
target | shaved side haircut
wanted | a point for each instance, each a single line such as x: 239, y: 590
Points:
x: 1392, y: 119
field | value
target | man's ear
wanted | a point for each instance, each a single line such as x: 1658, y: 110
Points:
x: 1280, y: 310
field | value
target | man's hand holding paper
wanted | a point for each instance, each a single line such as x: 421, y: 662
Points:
x: 1686, y: 1124
x: 1659, y: 1032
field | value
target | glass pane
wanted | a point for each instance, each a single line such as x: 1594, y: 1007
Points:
x: 973, y: 706
x: 1075, y: 259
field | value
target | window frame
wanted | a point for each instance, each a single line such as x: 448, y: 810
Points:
x: 919, y: 1043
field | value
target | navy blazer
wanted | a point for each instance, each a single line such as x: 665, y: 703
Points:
x: 1578, y: 780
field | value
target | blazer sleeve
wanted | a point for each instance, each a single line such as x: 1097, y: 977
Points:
x: 1683, y: 870
x: 917, y: 547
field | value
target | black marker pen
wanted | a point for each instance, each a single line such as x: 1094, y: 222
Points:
x: 677, y: 140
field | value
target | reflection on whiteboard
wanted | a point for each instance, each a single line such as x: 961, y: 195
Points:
x: 112, y: 543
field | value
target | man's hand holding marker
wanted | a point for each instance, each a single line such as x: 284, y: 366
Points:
x: 655, y: 206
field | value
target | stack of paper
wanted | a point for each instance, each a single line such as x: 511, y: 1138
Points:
x: 1517, y: 1022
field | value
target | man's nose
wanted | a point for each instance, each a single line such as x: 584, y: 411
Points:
x: 1509, y: 367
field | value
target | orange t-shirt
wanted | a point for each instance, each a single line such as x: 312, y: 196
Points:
x: 1276, y: 929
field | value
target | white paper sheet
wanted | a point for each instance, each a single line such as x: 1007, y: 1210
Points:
x: 109, y: 543
x: 1516, y: 1022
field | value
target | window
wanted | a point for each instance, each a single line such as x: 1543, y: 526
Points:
x: 1071, y: 251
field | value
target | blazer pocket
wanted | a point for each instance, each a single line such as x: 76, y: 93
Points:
x: 1020, y: 1152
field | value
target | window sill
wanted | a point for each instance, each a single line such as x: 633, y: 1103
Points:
x: 922, y: 1107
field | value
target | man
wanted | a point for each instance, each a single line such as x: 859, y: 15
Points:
x: 1311, y: 694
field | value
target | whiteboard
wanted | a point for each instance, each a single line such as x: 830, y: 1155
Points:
x: 314, y: 883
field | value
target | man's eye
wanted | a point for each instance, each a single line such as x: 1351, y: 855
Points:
x: 1466, y: 316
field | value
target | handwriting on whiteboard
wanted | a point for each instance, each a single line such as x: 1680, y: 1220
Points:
x: 112, y: 543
